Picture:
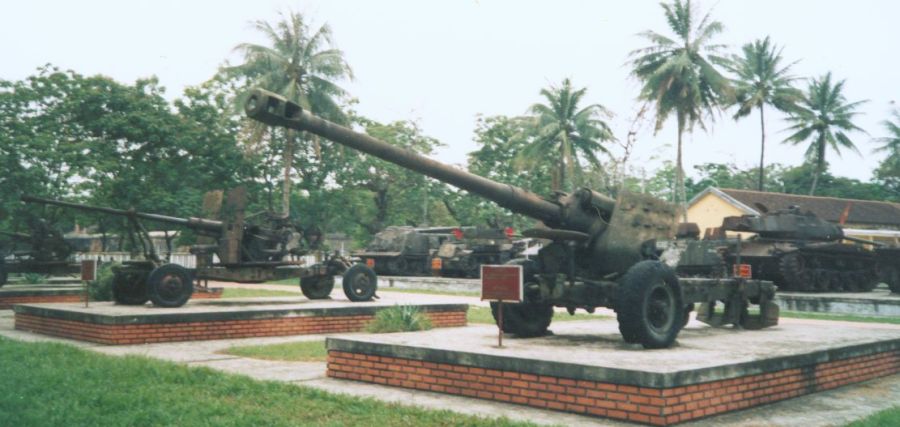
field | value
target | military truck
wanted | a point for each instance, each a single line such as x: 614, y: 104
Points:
x: 471, y: 247
x: 603, y: 251
x: 403, y: 250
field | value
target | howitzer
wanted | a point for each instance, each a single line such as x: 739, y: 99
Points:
x: 602, y: 253
x: 251, y: 248
x: 45, y: 252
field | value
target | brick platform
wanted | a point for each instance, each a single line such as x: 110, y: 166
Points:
x: 109, y: 324
x: 19, y: 294
x: 668, y: 395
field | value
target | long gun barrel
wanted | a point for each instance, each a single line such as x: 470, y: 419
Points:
x: 275, y: 110
x: 202, y: 224
x: 16, y: 236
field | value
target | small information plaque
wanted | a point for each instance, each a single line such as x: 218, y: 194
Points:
x: 88, y: 270
x: 501, y: 283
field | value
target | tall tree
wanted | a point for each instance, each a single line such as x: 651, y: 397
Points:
x: 565, y: 130
x: 888, y: 172
x: 300, y: 64
x: 762, y: 81
x: 679, y: 75
x: 892, y: 141
x: 823, y: 117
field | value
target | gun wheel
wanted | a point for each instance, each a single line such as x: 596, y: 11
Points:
x: 524, y: 319
x: 360, y: 283
x: 129, y: 288
x: 170, y: 285
x: 317, y: 287
x: 649, y: 307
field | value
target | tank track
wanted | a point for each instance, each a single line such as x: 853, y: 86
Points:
x: 811, y: 271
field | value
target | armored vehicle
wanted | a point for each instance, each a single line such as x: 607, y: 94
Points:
x: 254, y: 248
x: 42, y: 250
x: 802, y: 252
x: 470, y: 247
x: 403, y: 251
x: 602, y: 253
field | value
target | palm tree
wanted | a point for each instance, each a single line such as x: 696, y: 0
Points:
x: 300, y: 64
x: 565, y: 130
x: 824, y: 117
x: 761, y: 81
x: 892, y: 142
x: 679, y: 76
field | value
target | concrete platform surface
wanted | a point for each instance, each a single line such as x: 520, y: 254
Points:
x: 879, y: 302
x: 594, y: 350
x: 21, y: 289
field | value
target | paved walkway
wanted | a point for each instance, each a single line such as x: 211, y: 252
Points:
x: 835, y: 407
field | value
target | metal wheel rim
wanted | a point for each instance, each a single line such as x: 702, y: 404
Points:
x: 660, y: 308
x: 359, y: 284
x: 170, y: 287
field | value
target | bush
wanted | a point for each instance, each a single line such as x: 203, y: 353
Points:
x: 101, y: 289
x: 34, y: 278
x: 399, y: 318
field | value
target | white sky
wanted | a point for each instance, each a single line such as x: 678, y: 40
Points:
x: 443, y: 62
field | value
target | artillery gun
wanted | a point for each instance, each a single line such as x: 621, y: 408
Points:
x: 403, y: 250
x: 45, y: 252
x: 602, y: 252
x: 802, y: 252
x: 249, y: 249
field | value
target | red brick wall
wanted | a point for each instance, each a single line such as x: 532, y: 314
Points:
x: 8, y: 301
x: 191, y: 331
x: 646, y: 405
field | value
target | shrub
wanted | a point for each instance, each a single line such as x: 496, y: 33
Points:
x: 399, y: 318
x: 101, y: 289
x: 34, y: 278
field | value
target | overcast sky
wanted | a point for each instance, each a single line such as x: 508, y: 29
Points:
x: 443, y: 63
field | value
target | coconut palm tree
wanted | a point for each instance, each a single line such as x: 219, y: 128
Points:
x: 299, y: 63
x: 762, y: 81
x: 823, y: 117
x: 565, y: 130
x: 892, y: 142
x: 679, y: 75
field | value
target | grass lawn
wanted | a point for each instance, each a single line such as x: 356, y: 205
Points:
x: 302, y: 351
x: 432, y: 292
x: 483, y: 315
x: 887, y: 417
x: 49, y: 384
x: 251, y: 293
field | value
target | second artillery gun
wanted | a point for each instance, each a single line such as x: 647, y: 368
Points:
x: 602, y: 252
x: 42, y: 250
x: 249, y: 249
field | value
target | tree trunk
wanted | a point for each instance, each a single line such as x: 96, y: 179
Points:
x: 820, y: 163
x: 679, y: 176
x: 762, y: 149
x: 288, y: 165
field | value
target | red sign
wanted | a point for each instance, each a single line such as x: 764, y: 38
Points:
x: 742, y: 270
x: 437, y: 264
x: 370, y: 262
x: 88, y: 270
x: 501, y: 282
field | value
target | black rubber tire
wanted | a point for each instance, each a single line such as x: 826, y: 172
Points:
x: 317, y: 287
x: 4, y: 276
x: 360, y: 283
x: 686, y: 317
x: 130, y: 288
x: 525, y: 320
x: 649, y: 305
x: 170, y: 285
x: 891, y: 276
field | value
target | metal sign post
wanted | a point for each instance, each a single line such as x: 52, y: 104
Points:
x: 88, y: 274
x: 501, y: 283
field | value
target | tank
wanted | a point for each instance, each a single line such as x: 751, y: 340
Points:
x: 41, y: 250
x: 602, y: 251
x: 802, y: 252
x: 403, y: 250
x: 471, y: 247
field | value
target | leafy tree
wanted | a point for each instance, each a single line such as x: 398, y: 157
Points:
x: 762, y: 81
x: 679, y: 75
x: 823, y: 117
x: 300, y: 64
x: 888, y: 172
x: 565, y: 130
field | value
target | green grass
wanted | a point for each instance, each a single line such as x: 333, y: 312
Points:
x: 293, y: 281
x: 49, y: 384
x: 251, y: 293
x: 302, y: 351
x: 887, y: 417
x: 840, y: 317
x: 483, y: 315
